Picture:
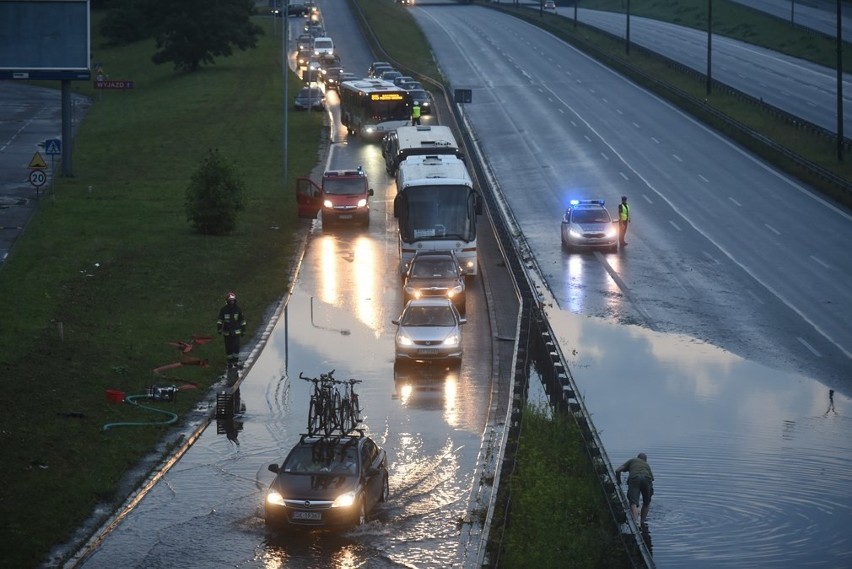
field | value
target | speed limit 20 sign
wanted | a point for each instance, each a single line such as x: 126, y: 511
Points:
x: 38, y: 178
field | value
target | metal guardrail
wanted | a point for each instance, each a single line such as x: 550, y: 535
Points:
x: 535, y: 337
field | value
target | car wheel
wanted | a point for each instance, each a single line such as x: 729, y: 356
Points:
x: 385, y: 490
x: 463, y: 308
x: 362, y: 513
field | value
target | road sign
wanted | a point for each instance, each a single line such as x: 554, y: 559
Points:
x: 114, y: 84
x: 38, y: 162
x: 463, y: 95
x: 52, y: 147
x: 38, y: 178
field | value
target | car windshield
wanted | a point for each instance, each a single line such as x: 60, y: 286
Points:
x: 322, y: 458
x: 428, y: 316
x: 590, y: 216
x: 434, y: 268
x: 313, y: 93
x: 343, y: 186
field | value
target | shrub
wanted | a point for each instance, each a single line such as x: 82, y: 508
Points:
x: 214, y: 196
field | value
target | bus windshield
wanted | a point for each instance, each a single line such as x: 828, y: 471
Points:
x: 437, y: 212
x: 384, y: 110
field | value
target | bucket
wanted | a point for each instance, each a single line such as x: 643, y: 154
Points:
x: 115, y: 396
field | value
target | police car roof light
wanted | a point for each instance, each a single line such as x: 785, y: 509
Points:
x: 587, y: 202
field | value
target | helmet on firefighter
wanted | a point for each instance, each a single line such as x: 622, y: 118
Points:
x: 231, y: 296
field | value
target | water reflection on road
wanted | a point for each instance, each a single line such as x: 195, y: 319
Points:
x: 753, y: 465
x: 207, y: 511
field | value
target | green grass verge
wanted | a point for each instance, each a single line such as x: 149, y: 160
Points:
x: 108, y: 273
x: 557, y: 514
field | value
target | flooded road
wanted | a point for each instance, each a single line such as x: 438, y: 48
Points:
x: 753, y: 466
x: 207, y: 510
x: 712, y: 342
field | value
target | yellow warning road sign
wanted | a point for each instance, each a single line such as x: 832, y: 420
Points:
x: 38, y: 162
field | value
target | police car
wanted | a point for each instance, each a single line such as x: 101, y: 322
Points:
x: 587, y: 224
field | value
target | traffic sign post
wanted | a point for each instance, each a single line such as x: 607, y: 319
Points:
x: 37, y: 176
x: 37, y: 179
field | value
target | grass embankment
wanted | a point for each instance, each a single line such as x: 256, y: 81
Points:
x: 108, y: 273
x: 558, y: 515
x: 736, y: 22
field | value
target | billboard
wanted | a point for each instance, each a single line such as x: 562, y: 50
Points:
x: 45, y: 39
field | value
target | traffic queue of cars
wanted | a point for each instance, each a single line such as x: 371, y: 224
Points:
x: 337, y: 481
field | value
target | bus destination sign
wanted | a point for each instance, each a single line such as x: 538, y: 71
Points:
x: 386, y: 97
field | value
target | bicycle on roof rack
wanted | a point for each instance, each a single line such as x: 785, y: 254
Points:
x: 350, y: 407
x: 330, y: 412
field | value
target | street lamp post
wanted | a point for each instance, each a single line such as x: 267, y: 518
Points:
x: 709, y: 46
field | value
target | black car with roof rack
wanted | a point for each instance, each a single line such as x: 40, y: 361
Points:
x: 328, y: 482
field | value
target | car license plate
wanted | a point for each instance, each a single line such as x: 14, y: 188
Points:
x: 346, y: 216
x: 426, y: 351
x: 316, y: 516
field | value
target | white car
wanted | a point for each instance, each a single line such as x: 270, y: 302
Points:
x: 587, y: 224
x: 323, y: 47
x: 429, y: 329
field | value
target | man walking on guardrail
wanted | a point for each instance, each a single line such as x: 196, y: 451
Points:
x: 640, y: 480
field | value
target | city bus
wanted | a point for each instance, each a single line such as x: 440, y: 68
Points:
x: 372, y: 107
x: 436, y: 207
x: 406, y: 141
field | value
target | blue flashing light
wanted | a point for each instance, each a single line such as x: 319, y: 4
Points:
x: 574, y: 202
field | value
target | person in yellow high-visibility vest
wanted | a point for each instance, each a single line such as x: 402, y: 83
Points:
x: 415, y: 114
x: 623, y: 220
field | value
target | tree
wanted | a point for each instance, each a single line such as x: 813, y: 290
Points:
x: 191, y: 33
x: 214, y: 196
x: 128, y: 21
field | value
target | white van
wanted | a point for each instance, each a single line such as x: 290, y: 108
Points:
x: 323, y: 46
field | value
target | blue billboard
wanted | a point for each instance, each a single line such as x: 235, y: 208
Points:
x: 45, y: 39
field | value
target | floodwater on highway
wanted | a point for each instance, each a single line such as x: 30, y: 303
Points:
x: 753, y: 465
x: 207, y: 510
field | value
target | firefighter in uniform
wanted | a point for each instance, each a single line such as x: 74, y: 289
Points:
x: 231, y: 325
x: 623, y: 220
x: 415, y: 114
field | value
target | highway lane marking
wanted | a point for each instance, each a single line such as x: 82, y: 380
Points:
x: 821, y: 262
x: 711, y: 257
x: 623, y: 175
x: 676, y: 157
x: 772, y: 229
x: 636, y: 125
x: 736, y: 203
x: 604, y: 156
x: 754, y: 296
x: 622, y: 286
x: 654, y: 138
x: 675, y: 225
x: 808, y: 346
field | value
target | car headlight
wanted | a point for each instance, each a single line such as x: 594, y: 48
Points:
x: 273, y: 497
x: 344, y: 500
x: 362, y: 202
x: 575, y: 233
x: 458, y: 289
x: 404, y: 340
x: 452, y: 340
x: 611, y: 232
